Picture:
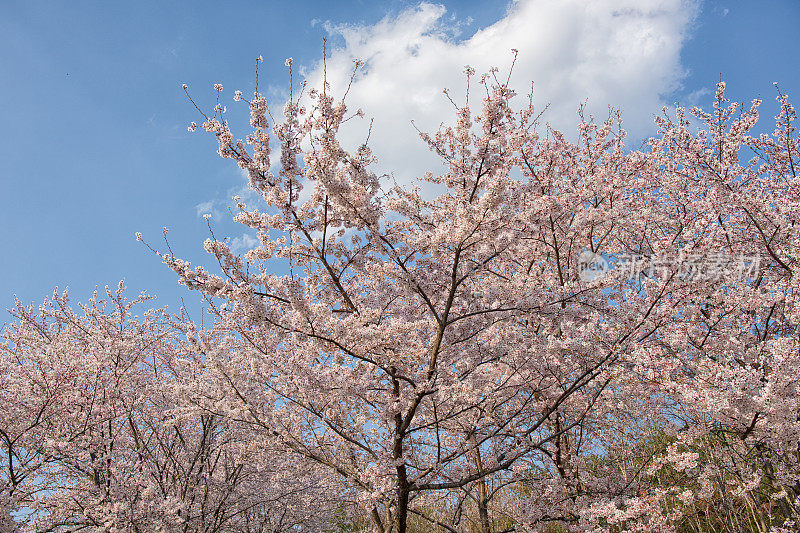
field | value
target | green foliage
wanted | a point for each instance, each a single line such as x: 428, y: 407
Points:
x: 727, y: 457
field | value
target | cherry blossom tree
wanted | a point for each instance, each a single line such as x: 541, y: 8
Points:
x: 438, y: 351
x: 419, y: 346
x: 726, y: 351
x: 94, y: 436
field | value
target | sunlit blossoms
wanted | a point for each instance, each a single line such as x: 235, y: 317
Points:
x: 387, y: 359
x: 442, y: 356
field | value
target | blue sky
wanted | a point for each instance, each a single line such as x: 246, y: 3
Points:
x: 95, y: 146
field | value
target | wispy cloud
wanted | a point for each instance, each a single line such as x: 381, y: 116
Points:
x: 695, y: 98
x: 211, y: 207
x: 245, y: 242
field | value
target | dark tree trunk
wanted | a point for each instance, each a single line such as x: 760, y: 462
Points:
x: 401, y: 515
x: 483, y: 495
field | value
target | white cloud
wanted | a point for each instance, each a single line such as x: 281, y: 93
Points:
x: 695, y: 98
x: 220, y: 207
x: 244, y: 243
x: 210, y: 207
x: 619, y: 53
